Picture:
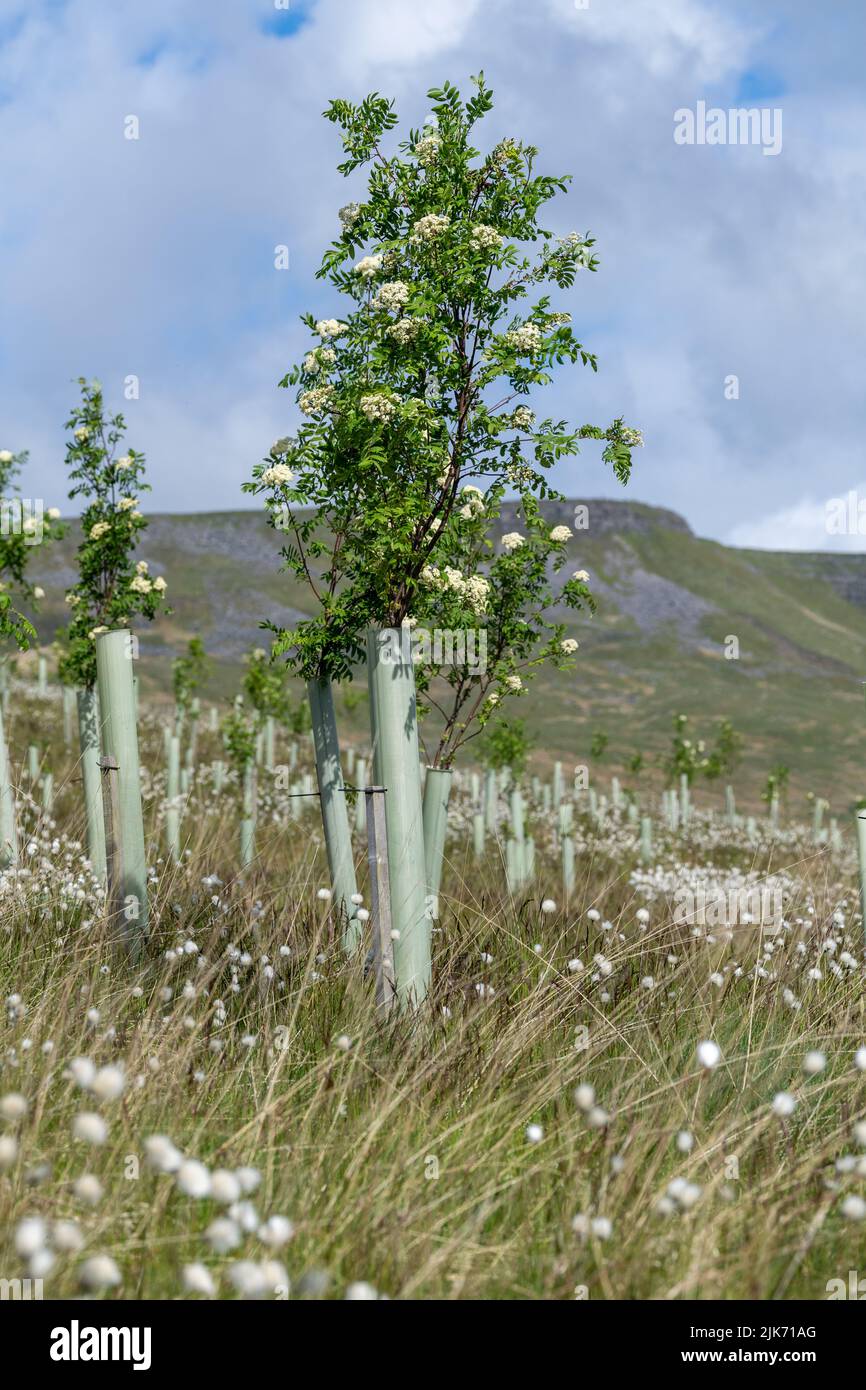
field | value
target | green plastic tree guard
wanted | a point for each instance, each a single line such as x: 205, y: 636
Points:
x: 437, y: 791
x: 861, y: 850
x: 491, y: 799
x: 685, y: 803
x: 335, y: 812
x: 478, y: 836
x: 248, y: 820
x: 87, y: 702
x: 68, y: 706
x: 730, y: 806
x: 394, y: 731
x: 646, y: 840
x: 172, y: 809
x: 567, y: 847
x: 8, y: 826
x: 114, y: 675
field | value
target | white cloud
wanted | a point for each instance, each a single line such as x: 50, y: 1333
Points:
x: 155, y: 257
x: 663, y: 35
x: 836, y: 523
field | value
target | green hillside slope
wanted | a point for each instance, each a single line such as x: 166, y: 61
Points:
x: 668, y: 604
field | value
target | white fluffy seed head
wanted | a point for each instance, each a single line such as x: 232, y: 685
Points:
x: 88, y: 1189
x: 193, y: 1178
x: 13, y: 1107
x: 8, y: 1151
x: 276, y: 1231
x: 534, y: 1134
x: 67, y: 1236
x: 30, y: 1236
x: 709, y: 1054
x: 223, y: 1235
x: 584, y: 1096
x: 161, y: 1154
x: 360, y: 1292
x: 784, y: 1104
x: 108, y: 1083
x: 814, y: 1062
x: 99, y: 1272
x: 197, y: 1278
x: 224, y: 1187
x: 82, y: 1070
x: 90, y: 1128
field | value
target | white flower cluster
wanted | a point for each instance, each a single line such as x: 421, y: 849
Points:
x: 519, y: 474
x: 318, y: 399
x: 569, y: 645
x: 368, y: 266
x: 429, y: 228
x: 485, y: 238
x: 560, y: 533
x: 427, y: 150
x: 627, y: 435
x: 127, y: 504
x: 125, y: 462
x: 330, y: 328
x: 278, y: 474
x: 514, y: 683
x: 349, y: 215
x: 99, y: 529
x: 377, y: 407
x: 404, y: 331
x: 475, y: 590
x: 314, y: 362
x: 527, y: 338
x: 511, y: 540
x: 394, y: 296
x: 474, y: 504
x: 522, y: 418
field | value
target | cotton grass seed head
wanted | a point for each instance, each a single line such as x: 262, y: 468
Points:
x: 814, y: 1062
x: 88, y: 1189
x: 193, y: 1178
x: 197, y: 1278
x: 99, y: 1272
x: 13, y: 1107
x: 709, y: 1054
x: 90, y: 1128
x: 8, y: 1151
x: 31, y: 1235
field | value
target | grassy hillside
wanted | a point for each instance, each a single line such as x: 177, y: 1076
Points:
x: 667, y: 603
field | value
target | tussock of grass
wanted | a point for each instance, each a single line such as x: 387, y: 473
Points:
x: 398, y: 1148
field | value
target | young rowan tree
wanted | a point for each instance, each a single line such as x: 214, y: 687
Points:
x: 112, y: 589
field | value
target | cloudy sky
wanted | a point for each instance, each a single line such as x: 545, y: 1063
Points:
x: 155, y: 257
